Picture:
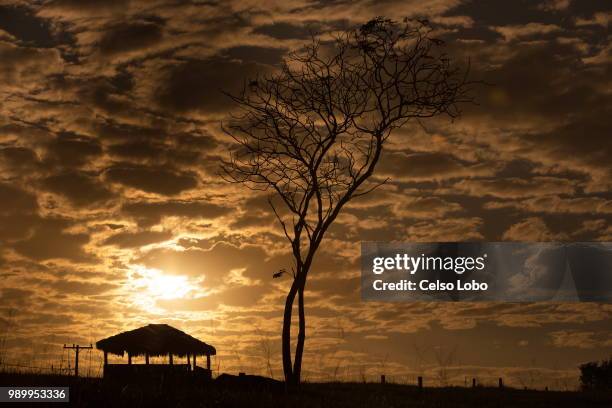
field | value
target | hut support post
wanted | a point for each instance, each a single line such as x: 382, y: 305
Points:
x: 189, y: 361
x: 105, y: 358
x: 147, y: 358
x: 170, y: 359
x: 194, y: 362
x: 208, y: 361
x: 129, y: 359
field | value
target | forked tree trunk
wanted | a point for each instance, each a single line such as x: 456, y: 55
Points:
x: 293, y: 371
x: 286, y: 336
x: 299, y: 348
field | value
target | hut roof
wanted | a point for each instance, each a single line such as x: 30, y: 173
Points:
x: 155, y: 340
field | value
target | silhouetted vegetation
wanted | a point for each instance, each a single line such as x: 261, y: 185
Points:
x: 233, y: 392
x: 596, y: 375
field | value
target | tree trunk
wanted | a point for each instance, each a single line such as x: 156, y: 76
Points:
x: 286, y: 337
x: 299, y: 348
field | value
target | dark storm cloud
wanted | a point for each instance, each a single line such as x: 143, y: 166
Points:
x: 159, y: 180
x: 520, y: 12
x: 431, y: 166
x: 149, y: 213
x: 550, y: 88
x: 129, y: 37
x: 14, y: 200
x: 199, y: 85
x: 105, y: 98
x: 194, y: 141
x: 563, y: 99
x: 517, y: 187
x: 118, y: 131
x: 556, y: 204
x: 585, y: 142
x: 72, y: 150
x: 286, y: 31
x: 183, y: 148
x: 15, y: 296
x: 426, y: 207
x: 18, y: 158
x: 49, y: 241
x: 141, y: 149
x: 17, y: 226
x: 137, y: 239
x: 18, y: 213
x: 253, y: 219
x: 26, y: 66
x: 84, y: 6
x: 21, y: 23
x: 524, y: 11
x: 80, y: 188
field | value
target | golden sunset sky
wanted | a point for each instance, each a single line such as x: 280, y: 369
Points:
x: 113, y: 216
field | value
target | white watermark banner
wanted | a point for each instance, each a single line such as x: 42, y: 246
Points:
x: 487, y: 271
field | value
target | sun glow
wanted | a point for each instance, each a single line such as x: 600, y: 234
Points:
x: 149, y: 285
x: 168, y: 287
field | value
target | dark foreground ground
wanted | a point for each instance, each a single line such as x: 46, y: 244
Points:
x: 235, y: 393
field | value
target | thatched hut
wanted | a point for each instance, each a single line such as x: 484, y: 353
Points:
x: 151, y: 341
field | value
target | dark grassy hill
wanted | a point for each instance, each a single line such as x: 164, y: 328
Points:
x: 94, y: 392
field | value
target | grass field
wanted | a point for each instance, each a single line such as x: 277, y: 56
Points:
x: 94, y: 392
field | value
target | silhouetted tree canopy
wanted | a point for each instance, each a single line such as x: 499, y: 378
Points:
x: 313, y: 132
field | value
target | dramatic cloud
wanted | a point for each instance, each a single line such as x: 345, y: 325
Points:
x: 50, y: 241
x: 137, y: 239
x: 516, y: 187
x: 79, y: 188
x: 532, y: 230
x: 199, y: 85
x: 511, y: 33
x: 158, y: 180
x: 149, y: 213
x: 27, y: 67
x: 129, y: 37
x: 431, y: 166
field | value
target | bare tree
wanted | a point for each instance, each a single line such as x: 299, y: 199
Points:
x: 312, y: 133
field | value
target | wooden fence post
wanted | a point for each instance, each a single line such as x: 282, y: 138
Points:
x: 382, y: 379
x: 420, y: 382
x: 501, y: 383
x: 473, y: 382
